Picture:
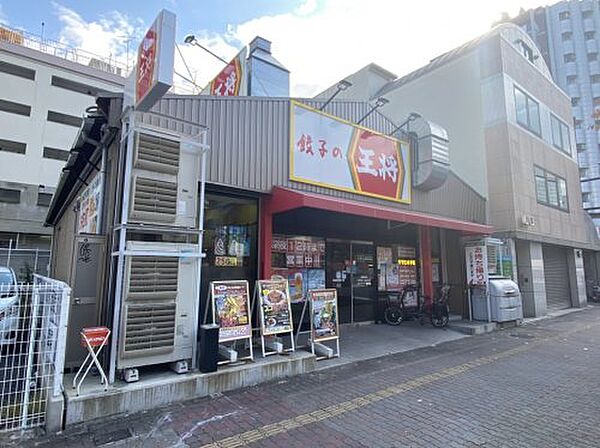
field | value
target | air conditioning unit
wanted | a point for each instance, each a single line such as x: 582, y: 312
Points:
x: 159, y: 304
x: 165, y: 181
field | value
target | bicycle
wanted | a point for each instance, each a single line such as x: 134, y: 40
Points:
x: 439, y: 310
x: 397, y: 311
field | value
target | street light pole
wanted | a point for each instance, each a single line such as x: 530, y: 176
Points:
x: 191, y: 39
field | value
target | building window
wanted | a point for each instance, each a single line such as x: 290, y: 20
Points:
x: 596, y: 101
x: 528, y: 111
x: 569, y: 57
x: 577, y: 123
x: 583, y: 172
x: 61, y: 118
x: 589, y: 35
x: 10, y: 146
x: 55, y: 153
x: 575, y: 101
x: 564, y: 15
x: 585, y: 196
x: 10, y: 196
x: 527, y: 52
x: 595, y: 79
x: 580, y: 147
x: 550, y: 189
x: 15, y: 108
x: 566, y: 36
x: 591, y: 57
x: 587, y: 14
x: 17, y: 70
x: 44, y: 199
x: 74, y: 86
x: 572, y: 79
x: 560, y: 135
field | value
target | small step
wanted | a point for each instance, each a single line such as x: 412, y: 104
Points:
x: 472, y: 327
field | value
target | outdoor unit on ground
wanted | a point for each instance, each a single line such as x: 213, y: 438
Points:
x: 159, y: 304
x: 165, y: 181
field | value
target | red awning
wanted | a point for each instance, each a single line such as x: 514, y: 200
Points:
x: 284, y: 199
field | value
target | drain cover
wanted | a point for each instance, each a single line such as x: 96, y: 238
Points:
x: 103, y: 438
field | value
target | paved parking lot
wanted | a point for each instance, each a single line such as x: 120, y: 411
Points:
x: 535, y: 386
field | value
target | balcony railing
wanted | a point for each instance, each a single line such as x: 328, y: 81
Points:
x: 61, y: 50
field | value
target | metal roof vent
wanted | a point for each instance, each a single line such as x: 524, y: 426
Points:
x: 431, y: 154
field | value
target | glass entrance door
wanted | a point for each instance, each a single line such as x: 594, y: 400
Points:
x: 339, y: 264
x: 350, y: 269
x: 363, y: 282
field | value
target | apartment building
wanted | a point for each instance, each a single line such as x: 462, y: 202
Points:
x: 513, y: 143
x: 45, y: 89
x: 568, y: 36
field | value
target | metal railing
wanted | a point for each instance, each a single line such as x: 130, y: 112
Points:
x: 33, y: 324
x: 59, y: 49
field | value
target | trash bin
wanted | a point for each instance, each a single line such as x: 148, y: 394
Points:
x: 208, y: 352
x: 506, y: 301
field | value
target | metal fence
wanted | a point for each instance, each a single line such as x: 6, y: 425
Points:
x: 60, y: 49
x: 26, y: 262
x: 33, y: 323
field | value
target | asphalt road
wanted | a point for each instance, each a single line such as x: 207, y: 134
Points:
x: 535, y: 386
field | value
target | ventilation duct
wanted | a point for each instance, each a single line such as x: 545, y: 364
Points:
x: 432, y: 161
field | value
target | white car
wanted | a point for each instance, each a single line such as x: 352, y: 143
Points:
x: 9, y: 310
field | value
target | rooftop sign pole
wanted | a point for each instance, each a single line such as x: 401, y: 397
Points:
x: 155, y: 62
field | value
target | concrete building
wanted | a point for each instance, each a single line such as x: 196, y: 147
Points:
x: 568, y: 37
x: 512, y: 142
x: 44, y: 92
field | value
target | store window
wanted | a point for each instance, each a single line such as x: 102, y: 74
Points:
x: 528, y: 111
x: 230, y: 239
x: 300, y: 259
x: 550, y: 189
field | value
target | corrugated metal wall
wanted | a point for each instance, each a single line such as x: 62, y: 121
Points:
x: 249, y: 140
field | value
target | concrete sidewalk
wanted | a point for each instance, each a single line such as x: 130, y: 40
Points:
x: 361, y: 342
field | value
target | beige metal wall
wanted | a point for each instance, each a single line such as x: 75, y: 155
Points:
x: 249, y: 140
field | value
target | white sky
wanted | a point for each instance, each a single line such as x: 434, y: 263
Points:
x: 322, y: 45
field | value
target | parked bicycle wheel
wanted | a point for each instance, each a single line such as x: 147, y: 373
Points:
x: 440, y: 315
x: 393, y: 315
